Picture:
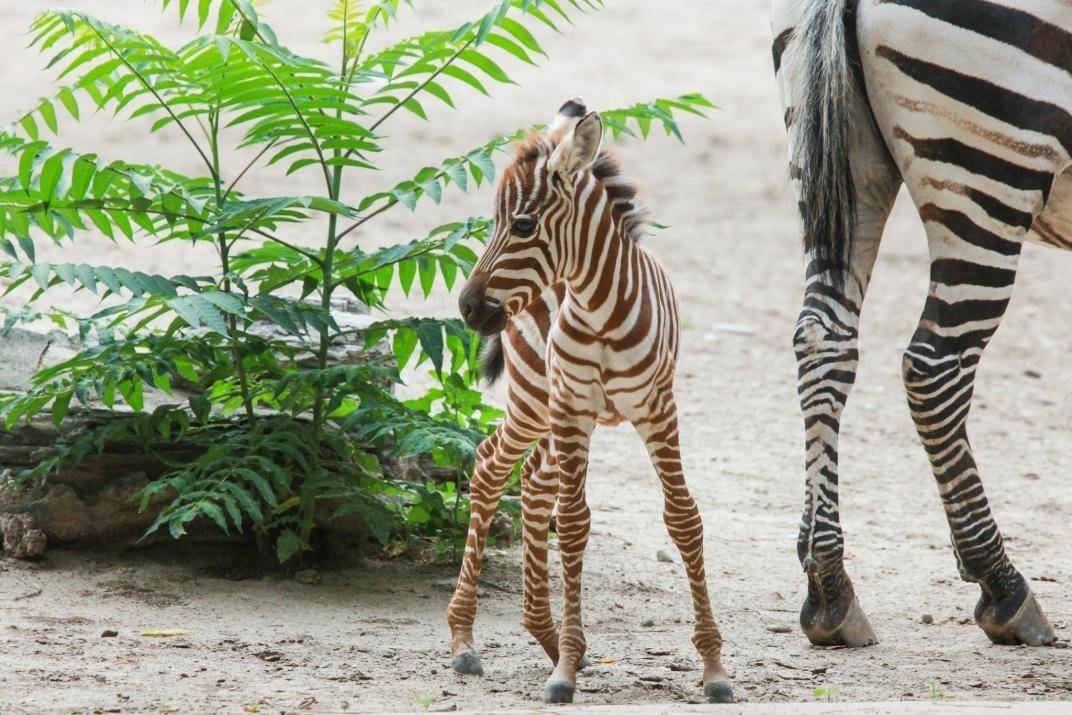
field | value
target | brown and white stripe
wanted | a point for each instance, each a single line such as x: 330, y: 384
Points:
x: 584, y: 322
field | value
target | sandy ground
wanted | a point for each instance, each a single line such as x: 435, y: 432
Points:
x: 374, y: 638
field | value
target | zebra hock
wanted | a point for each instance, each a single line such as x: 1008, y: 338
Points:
x: 969, y: 105
x: 584, y: 324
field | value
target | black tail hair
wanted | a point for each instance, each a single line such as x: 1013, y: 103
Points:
x: 493, y: 359
x: 827, y: 79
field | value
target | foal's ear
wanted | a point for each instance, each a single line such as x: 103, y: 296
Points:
x: 579, y: 148
x: 569, y: 114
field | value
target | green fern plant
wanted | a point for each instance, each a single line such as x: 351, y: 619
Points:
x: 277, y: 434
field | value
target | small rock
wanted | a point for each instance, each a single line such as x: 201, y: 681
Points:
x: 779, y: 629
x: 927, y: 618
x: 663, y: 557
x: 1034, y: 374
x: 647, y: 623
x: 20, y: 538
x: 309, y: 577
x: 1060, y: 644
x: 109, y: 633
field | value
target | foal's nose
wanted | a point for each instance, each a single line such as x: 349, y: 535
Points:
x: 468, y: 304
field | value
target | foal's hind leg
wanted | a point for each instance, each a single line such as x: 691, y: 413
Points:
x: 660, y: 433
x: 496, y: 457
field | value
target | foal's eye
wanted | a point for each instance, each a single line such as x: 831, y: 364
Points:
x: 523, y: 226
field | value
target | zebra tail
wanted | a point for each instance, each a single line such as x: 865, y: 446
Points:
x: 825, y: 87
x: 493, y: 359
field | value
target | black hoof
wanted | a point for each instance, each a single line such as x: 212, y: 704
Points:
x: 558, y: 691
x: 718, y: 691
x: 1026, y: 626
x: 837, y: 624
x: 584, y: 663
x: 467, y: 663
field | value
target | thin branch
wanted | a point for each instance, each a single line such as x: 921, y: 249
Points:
x: 416, y: 90
x: 248, y: 166
x: 357, y: 224
x: 293, y: 105
x: 159, y: 99
x: 311, y: 256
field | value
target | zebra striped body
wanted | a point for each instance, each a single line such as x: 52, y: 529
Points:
x: 969, y: 104
x: 589, y: 334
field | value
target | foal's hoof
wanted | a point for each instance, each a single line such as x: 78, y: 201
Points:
x: 558, y: 691
x: 837, y: 624
x: 1026, y: 626
x: 584, y: 663
x: 718, y: 691
x: 467, y: 663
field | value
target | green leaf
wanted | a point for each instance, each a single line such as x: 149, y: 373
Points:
x: 287, y: 545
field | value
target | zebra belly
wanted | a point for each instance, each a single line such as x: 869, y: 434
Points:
x: 1053, y: 227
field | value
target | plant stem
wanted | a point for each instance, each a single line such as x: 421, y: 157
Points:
x: 224, y: 250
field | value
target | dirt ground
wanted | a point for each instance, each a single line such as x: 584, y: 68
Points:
x: 374, y: 638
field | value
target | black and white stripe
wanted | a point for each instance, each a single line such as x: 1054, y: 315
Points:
x: 969, y: 104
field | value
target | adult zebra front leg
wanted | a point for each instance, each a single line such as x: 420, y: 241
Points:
x: 496, y: 457
x: 939, y: 375
x: 682, y: 517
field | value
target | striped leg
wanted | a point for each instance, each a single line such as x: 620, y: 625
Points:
x: 682, y: 518
x: 962, y: 312
x: 496, y: 456
x: 539, y: 489
x: 571, y: 433
x: 826, y: 345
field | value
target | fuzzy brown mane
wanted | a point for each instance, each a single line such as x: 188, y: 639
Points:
x: 622, y: 193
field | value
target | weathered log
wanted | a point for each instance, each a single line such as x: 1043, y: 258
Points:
x: 94, y: 503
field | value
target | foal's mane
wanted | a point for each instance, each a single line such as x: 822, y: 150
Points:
x: 628, y: 212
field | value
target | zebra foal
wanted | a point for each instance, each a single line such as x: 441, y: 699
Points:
x: 968, y: 103
x: 584, y: 323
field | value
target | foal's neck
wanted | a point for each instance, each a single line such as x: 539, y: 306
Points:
x: 604, y: 262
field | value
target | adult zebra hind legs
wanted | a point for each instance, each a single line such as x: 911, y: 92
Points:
x: 939, y: 370
x: 826, y: 343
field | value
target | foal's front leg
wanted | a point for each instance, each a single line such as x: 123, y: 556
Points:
x: 496, y: 456
x: 571, y: 431
x: 682, y: 517
x: 539, y: 489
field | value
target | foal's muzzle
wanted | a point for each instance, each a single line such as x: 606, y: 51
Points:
x: 481, y: 314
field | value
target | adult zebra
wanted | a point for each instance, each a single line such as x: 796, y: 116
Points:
x: 968, y: 103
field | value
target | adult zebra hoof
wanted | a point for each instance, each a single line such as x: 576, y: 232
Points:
x: 718, y: 691
x: 558, y: 690
x: 467, y: 663
x: 1026, y: 626
x: 837, y: 624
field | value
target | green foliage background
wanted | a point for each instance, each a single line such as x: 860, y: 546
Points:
x: 279, y: 429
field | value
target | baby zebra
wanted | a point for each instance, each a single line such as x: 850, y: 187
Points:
x: 585, y: 324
